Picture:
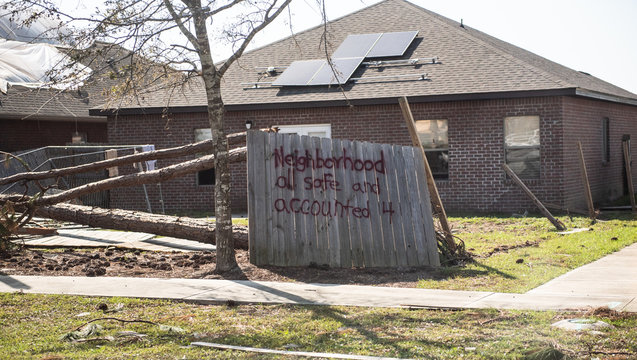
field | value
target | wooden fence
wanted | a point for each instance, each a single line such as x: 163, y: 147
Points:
x: 337, y: 202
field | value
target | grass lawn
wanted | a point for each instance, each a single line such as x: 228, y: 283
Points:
x: 31, y: 327
x: 512, y: 255
x: 518, y: 254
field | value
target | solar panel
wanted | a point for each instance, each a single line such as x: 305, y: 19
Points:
x: 392, y: 44
x: 299, y: 73
x: 346, y: 59
x: 339, y: 73
x: 356, y: 45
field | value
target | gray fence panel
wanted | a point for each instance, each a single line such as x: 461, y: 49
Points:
x: 339, y: 203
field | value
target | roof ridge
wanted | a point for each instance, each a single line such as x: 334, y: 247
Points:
x: 505, y: 54
x: 328, y: 23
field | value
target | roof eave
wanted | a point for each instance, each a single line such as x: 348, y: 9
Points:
x: 605, y: 97
x: 37, y: 117
x: 148, y: 110
x: 412, y: 99
x: 372, y: 101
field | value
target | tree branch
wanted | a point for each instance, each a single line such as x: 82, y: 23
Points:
x: 149, y: 177
x: 180, y: 24
x: 200, y: 147
x: 266, y: 21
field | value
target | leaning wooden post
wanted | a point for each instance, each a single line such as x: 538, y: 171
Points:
x: 431, y: 184
x: 558, y: 224
x: 587, y: 186
x: 629, y: 175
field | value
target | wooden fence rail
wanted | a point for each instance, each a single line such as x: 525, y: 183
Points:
x: 337, y: 202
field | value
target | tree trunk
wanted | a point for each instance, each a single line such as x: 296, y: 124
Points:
x: 226, y: 260
x: 180, y: 227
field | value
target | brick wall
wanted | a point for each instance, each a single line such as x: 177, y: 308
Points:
x: 476, y: 138
x: 476, y: 141
x: 162, y: 131
x: 583, y: 122
x: 18, y: 135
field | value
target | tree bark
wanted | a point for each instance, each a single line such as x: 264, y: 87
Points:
x: 226, y: 260
x: 180, y: 227
x: 149, y: 177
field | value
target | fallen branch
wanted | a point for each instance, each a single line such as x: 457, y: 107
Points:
x: 200, y: 147
x: 179, y: 227
x: 116, y: 319
x: 149, y: 177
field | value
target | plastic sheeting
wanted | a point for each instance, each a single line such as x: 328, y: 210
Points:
x: 40, y: 30
x: 38, y: 65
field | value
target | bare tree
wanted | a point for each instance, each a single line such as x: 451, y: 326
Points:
x: 175, y: 36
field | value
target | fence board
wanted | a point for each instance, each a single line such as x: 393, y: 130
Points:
x: 362, y: 201
x: 340, y: 203
x: 272, y: 216
x: 300, y: 233
x: 394, y: 196
x: 256, y: 196
x: 322, y: 240
x: 356, y: 241
x: 348, y: 200
x: 310, y: 221
x: 418, y: 225
x: 431, y: 243
x: 330, y: 197
x: 387, y: 209
x: 341, y: 197
x: 287, y: 247
x: 372, y: 190
x: 405, y: 207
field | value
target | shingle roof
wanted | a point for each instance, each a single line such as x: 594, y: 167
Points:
x: 470, y: 63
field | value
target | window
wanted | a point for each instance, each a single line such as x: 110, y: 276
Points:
x: 204, y: 177
x: 605, y: 140
x: 322, y: 130
x: 435, y: 142
x: 522, y: 145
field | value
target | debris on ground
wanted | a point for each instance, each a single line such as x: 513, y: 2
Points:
x: 580, y: 324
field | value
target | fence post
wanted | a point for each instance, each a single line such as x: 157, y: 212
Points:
x: 433, y: 189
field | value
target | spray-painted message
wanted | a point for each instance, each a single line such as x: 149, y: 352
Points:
x: 296, y: 164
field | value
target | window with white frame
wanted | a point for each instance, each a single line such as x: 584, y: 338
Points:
x: 434, y: 137
x: 204, y: 177
x: 320, y: 130
x: 522, y: 145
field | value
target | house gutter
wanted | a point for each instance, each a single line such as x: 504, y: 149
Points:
x: 37, y: 117
x: 371, y: 101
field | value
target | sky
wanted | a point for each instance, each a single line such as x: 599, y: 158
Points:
x: 597, y: 37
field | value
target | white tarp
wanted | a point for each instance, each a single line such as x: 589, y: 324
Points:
x: 38, y: 65
x: 43, y: 29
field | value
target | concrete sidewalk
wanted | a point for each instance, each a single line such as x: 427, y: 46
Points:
x: 613, y: 275
x: 609, y: 282
x: 219, y: 291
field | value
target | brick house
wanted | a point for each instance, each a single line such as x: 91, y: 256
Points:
x: 37, y: 117
x: 482, y: 102
x: 33, y: 117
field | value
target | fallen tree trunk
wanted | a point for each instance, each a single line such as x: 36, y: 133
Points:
x: 180, y: 227
x: 196, y: 148
x: 149, y: 177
